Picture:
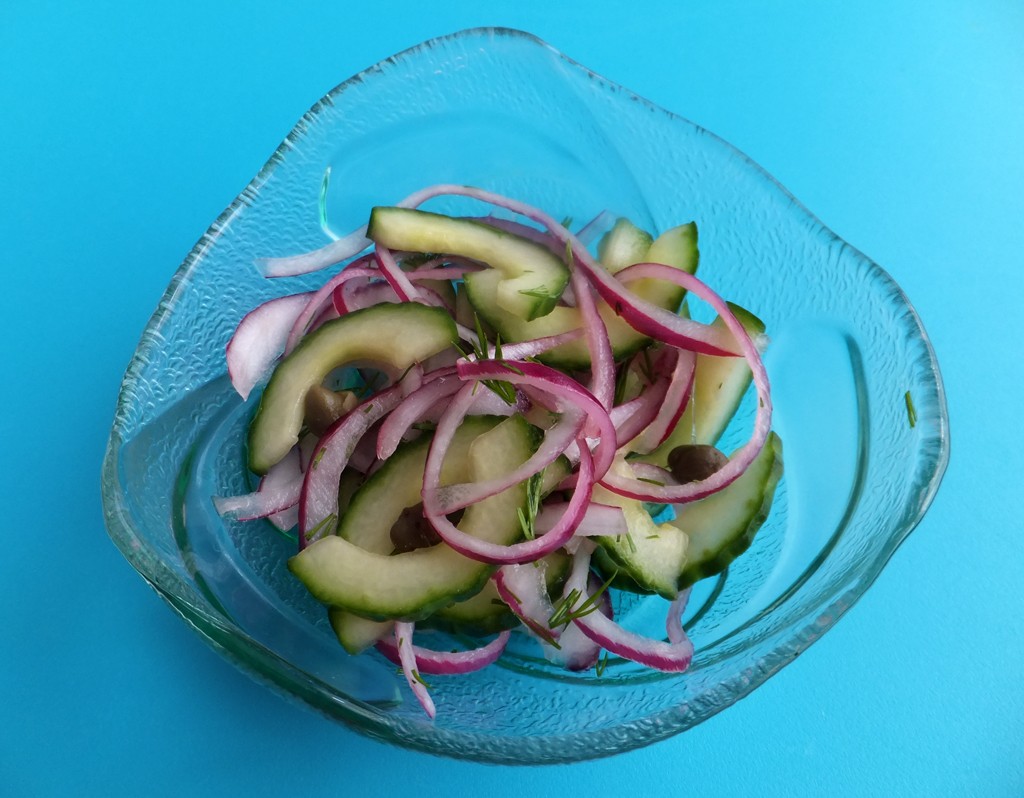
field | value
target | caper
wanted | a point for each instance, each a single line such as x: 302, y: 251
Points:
x: 413, y: 531
x: 323, y: 407
x: 693, y: 462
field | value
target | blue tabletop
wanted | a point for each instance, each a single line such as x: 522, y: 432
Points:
x: 125, y: 130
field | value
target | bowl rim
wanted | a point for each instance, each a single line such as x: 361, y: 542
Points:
x: 931, y: 454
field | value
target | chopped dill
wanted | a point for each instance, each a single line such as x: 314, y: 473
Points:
x: 911, y: 410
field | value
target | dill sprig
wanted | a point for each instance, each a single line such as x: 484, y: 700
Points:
x: 544, y: 634
x: 315, y: 531
x: 566, y: 610
x: 481, y: 347
x: 528, y: 518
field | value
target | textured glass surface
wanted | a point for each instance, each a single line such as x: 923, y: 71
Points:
x: 502, y: 110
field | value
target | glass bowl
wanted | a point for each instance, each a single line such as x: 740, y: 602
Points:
x: 857, y: 389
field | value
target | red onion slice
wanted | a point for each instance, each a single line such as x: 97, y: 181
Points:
x: 346, y: 247
x: 337, y: 251
x: 652, y: 473
x: 259, y: 338
x: 327, y: 313
x: 278, y: 491
x: 285, y: 473
x: 576, y: 651
x: 674, y: 619
x: 342, y: 293
x: 449, y: 498
x: 482, y: 550
x: 413, y: 408
x: 620, y: 414
x: 396, y: 278
x: 285, y: 520
x: 520, y: 350
x: 524, y: 590
x: 677, y: 396
x: 566, y: 392
x: 595, y: 228
x: 448, y: 663
x: 741, y: 459
x: 602, y: 364
x: 669, y: 657
x: 598, y: 520
x: 407, y: 658
x: 316, y: 302
x: 646, y: 407
x: 364, y: 296
x: 318, y: 501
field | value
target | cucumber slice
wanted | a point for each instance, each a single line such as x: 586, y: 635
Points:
x: 396, y: 485
x: 651, y: 555
x: 356, y: 634
x: 361, y: 524
x: 478, y: 616
x: 612, y: 572
x: 530, y: 278
x: 676, y: 247
x: 701, y: 541
x: 623, y: 245
x: 394, y: 335
x: 350, y: 482
x: 719, y: 385
x: 415, y: 584
x: 722, y: 526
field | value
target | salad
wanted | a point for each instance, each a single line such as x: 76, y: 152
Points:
x: 482, y: 424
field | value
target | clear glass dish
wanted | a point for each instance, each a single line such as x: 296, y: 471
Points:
x: 502, y: 110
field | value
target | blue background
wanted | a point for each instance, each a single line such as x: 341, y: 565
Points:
x: 125, y: 130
